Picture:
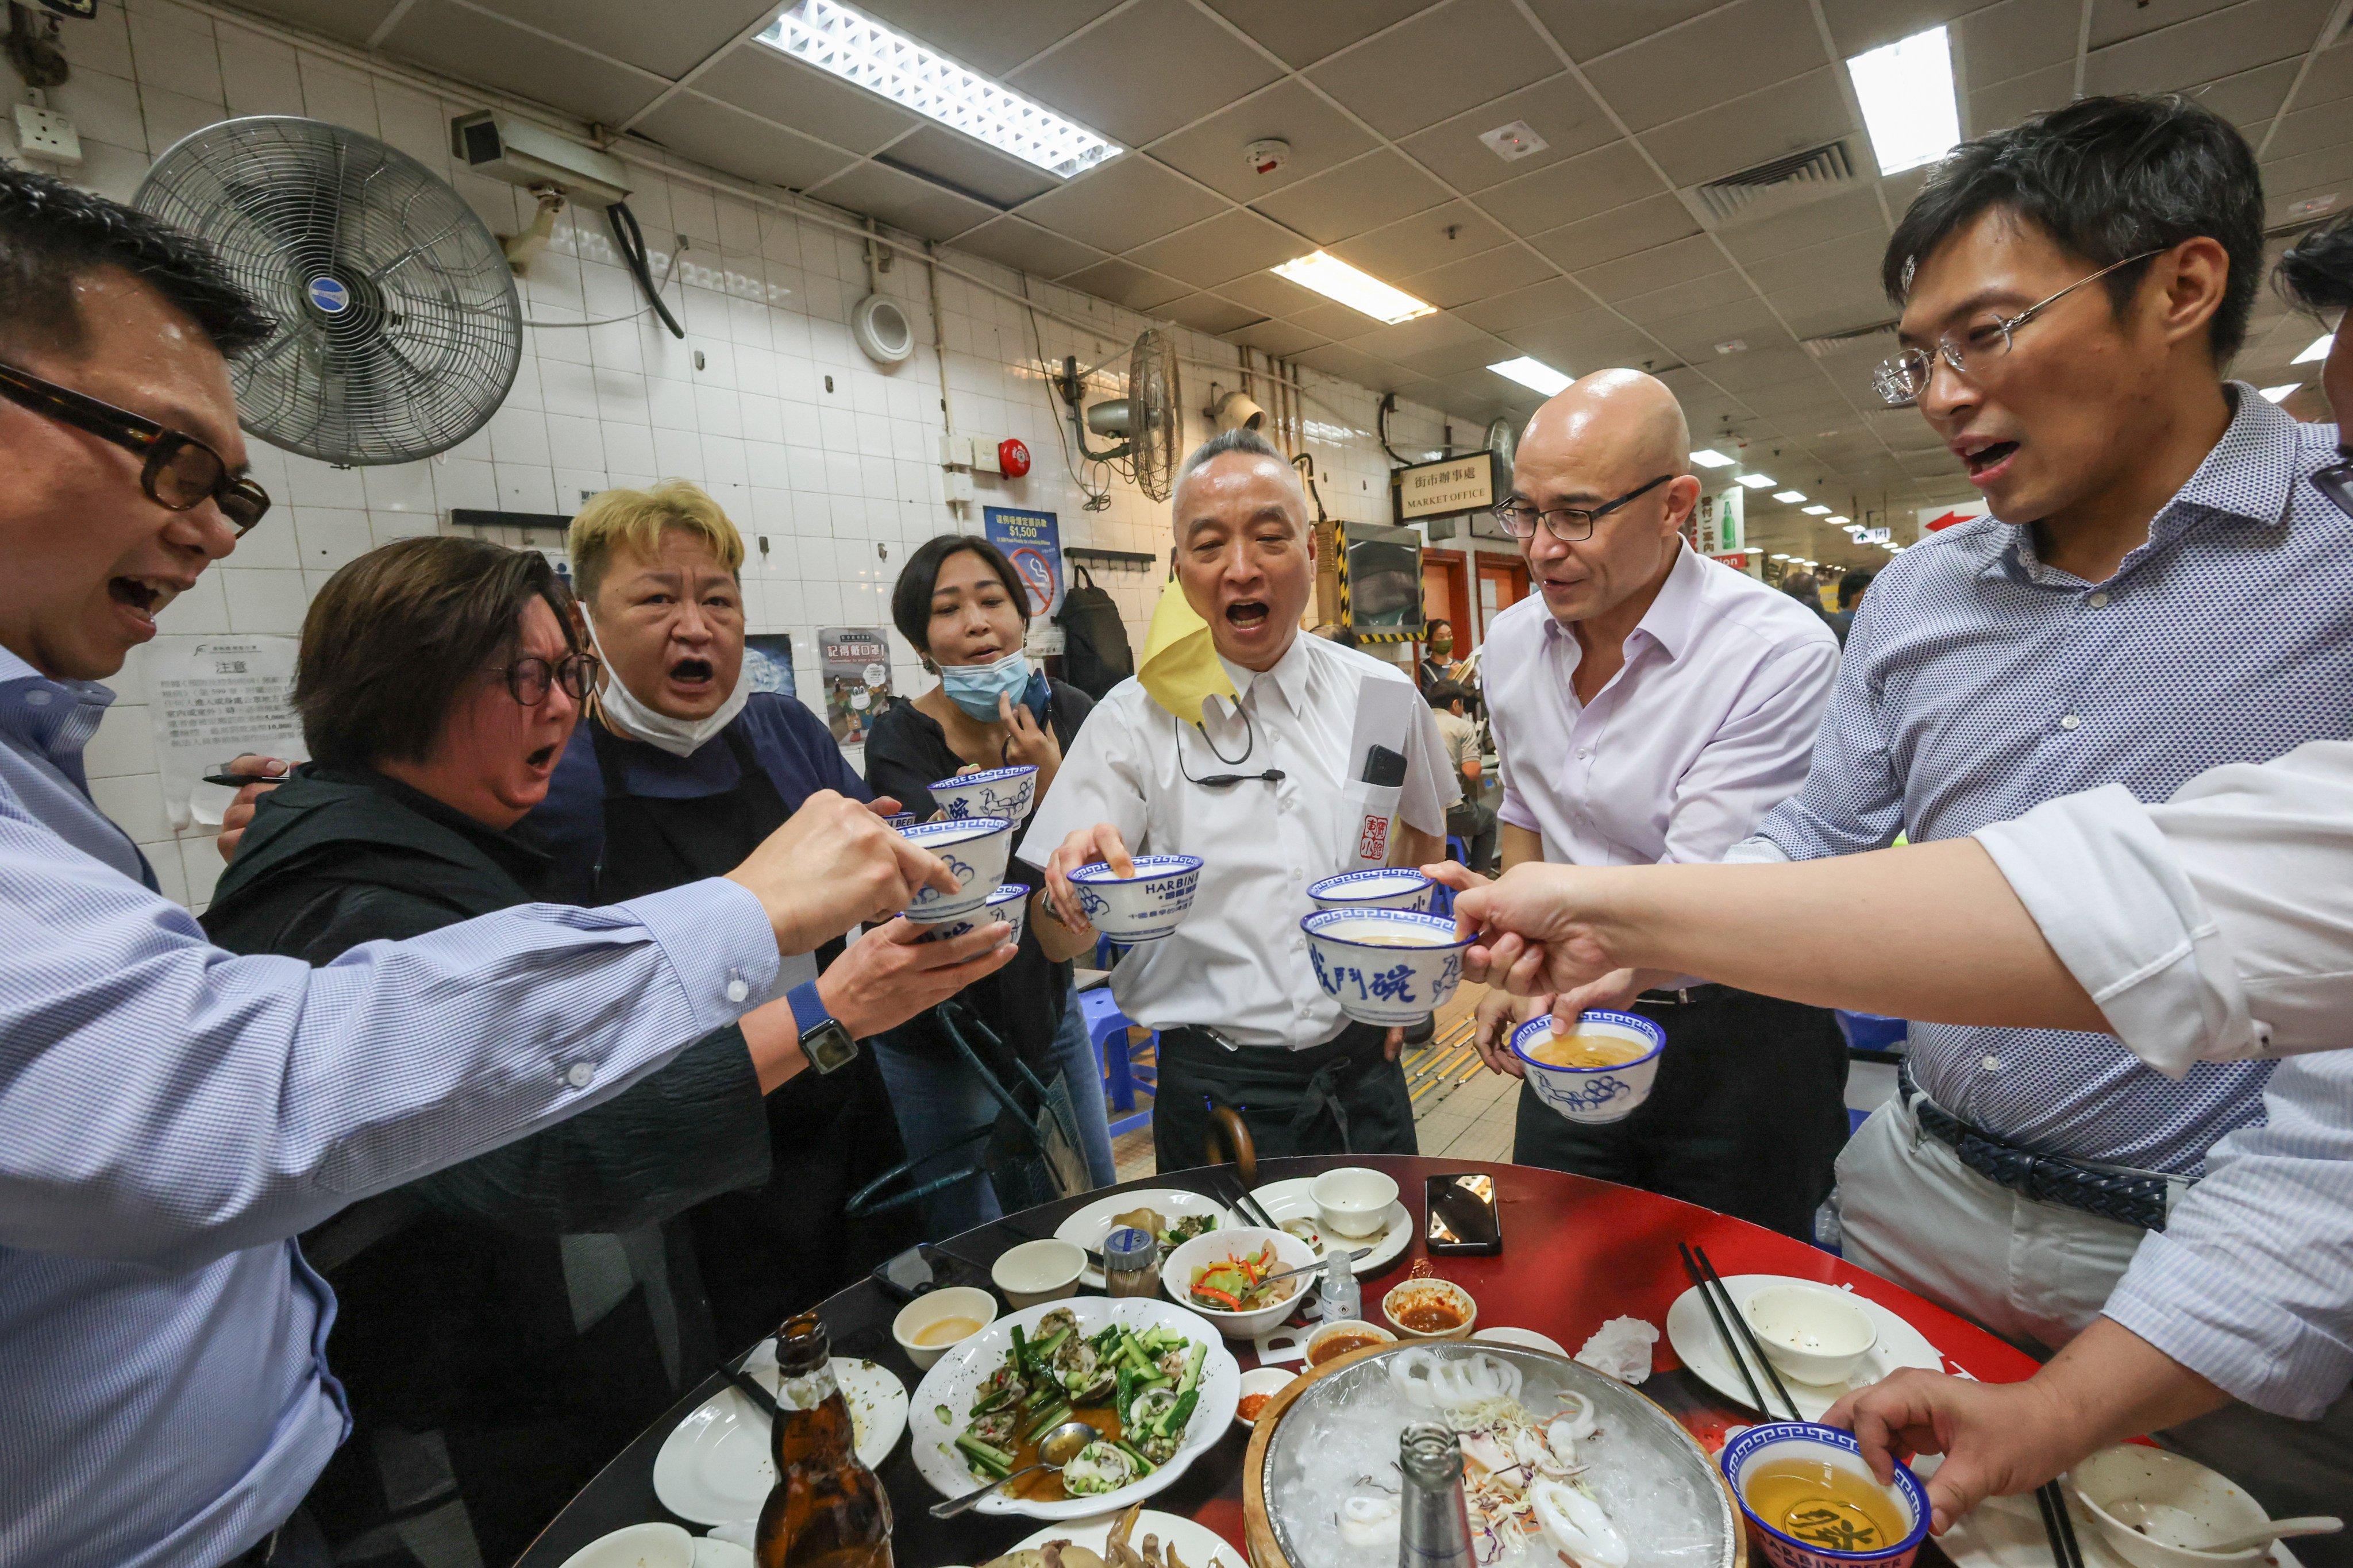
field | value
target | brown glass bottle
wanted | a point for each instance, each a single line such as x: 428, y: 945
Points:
x: 827, y: 1511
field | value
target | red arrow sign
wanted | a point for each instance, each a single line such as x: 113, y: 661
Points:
x: 1950, y: 518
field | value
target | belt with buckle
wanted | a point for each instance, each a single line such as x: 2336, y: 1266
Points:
x: 2130, y: 1197
x: 1685, y: 997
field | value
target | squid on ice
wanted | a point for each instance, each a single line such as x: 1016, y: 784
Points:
x: 1574, y: 1525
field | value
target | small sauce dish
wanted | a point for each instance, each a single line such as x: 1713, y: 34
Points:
x: 1430, y: 1309
x: 1039, y: 1271
x: 1259, y: 1385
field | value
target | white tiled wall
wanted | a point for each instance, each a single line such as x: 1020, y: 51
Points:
x: 830, y: 461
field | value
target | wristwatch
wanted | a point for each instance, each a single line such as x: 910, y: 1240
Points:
x: 824, y: 1041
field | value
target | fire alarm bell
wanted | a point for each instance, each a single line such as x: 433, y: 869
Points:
x: 1013, y: 458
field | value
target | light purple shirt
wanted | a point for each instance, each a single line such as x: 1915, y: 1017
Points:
x: 1709, y: 725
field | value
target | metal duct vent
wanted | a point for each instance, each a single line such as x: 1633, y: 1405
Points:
x: 1871, y: 337
x: 1786, y: 182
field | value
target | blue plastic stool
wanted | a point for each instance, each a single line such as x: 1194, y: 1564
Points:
x: 1441, y: 899
x: 1115, y: 1056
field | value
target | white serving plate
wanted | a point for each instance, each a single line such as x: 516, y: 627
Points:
x: 714, y: 1468
x: 1087, y: 1228
x: 1295, y: 1199
x: 959, y: 1373
x: 2007, y: 1533
x: 1196, y: 1544
x: 1693, y: 1333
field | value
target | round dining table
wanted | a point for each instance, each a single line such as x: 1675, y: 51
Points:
x: 1576, y: 1253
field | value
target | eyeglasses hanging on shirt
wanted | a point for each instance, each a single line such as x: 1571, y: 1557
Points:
x: 1219, y: 781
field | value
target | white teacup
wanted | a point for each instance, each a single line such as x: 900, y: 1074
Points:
x: 997, y: 792
x: 975, y: 849
x: 1009, y: 903
x: 1377, y: 888
x: 1353, y: 1200
x: 1813, y: 1334
x: 1142, y: 907
x: 1385, y: 966
x: 1603, y: 1093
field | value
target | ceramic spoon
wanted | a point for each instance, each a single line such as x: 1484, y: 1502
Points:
x: 1058, y: 1448
x: 2171, y: 1526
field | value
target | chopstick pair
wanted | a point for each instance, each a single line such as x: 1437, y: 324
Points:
x: 1238, y: 1196
x: 1710, y: 1285
x: 2057, y: 1526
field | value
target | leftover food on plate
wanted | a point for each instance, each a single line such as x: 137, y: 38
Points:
x: 1172, y: 1234
x: 1137, y: 1390
x: 1233, y: 1284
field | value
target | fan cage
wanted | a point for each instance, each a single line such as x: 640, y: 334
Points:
x: 1154, y: 398
x: 398, y: 330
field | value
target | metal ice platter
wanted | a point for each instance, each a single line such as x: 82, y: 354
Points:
x: 1627, y: 1421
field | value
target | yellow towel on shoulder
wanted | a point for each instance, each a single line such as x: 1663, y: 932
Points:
x: 1180, y: 665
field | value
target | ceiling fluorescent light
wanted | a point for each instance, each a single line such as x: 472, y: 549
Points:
x: 2279, y: 393
x: 1781, y: 558
x: 1790, y: 497
x: 1907, y: 93
x: 1818, y: 511
x: 1532, y: 374
x: 2317, y: 349
x: 859, y: 49
x: 1757, y: 481
x: 1709, y: 458
x: 1335, y: 280
x: 1842, y: 521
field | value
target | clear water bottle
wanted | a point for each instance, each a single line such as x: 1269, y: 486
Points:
x: 1343, y: 1300
x: 1434, y: 1523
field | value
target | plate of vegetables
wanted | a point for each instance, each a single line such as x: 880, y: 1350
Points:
x: 1172, y: 1213
x: 1150, y: 1376
x: 1222, y: 1277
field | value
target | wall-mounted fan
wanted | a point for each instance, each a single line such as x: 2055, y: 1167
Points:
x: 1144, y: 423
x: 1504, y: 440
x: 398, y: 329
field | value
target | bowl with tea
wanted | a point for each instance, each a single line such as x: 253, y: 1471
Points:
x: 996, y: 792
x: 1385, y: 966
x: 1376, y: 887
x: 935, y: 1322
x: 1009, y: 903
x: 1144, y: 907
x: 1599, y: 1071
x: 1812, y: 1502
x: 975, y: 849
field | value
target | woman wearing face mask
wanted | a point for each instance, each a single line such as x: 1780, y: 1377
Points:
x: 1437, y: 654
x: 961, y: 606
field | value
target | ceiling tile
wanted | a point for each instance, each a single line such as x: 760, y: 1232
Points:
x: 1826, y: 312
x: 1653, y: 220
x: 671, y: 39
x: 1018, y: 243
x: 1280, y: 339
x: 992, y: 39
x: 1765, y: 367
x: 1211, y: 152
x: 1338, y: 359
x: 907, y: 200
x: 1270, y: 295
x: 2330, y: 79
x: 2014, y: 38
x: 355, y: 21
x: 1581, y: 353
x: 1374, y: 189
x: 2284, y: 177
x: 1679, y: 262
x: 2222, y: 43
x: 2113, y: 20
x: 1120, y: 204
x: 1588, y: 28
x: 1124, y: 283
x: 1142, y: 72
x: 1558, y: 109
x: 1304, y: 31
x: 1859, y: 25
x: 729, y: 139
x: 1748, y: 45
x: 777, y: 87
x: 1448, y: 59
x: 467, y: 43
x: 1425, y: 241
x: 1854, y: 211
x: 2003, y: 105
x: 1331, y: 319
x: 1695, y: 334
x: 1227, y: 245
x: 1419, y: 336
x: 1748, y: 131
x: 1207, y: 313
x: 1608, y: 177
x: 952, y: 157
x: 1545, y: 301
x: 1647, y: 309
x: 1474, y: 277
x: 2310, y: 129
x: 1846, y: 263
x: 1456, y: 360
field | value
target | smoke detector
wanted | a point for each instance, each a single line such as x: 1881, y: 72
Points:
x: 1265, y: 157
x: 1513, y: 142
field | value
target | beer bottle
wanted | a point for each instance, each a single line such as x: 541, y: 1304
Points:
x: 827, y: 1509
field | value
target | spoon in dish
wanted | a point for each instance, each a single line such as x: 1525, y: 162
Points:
x: 1056, y: 1449
x: 2171, y: 1526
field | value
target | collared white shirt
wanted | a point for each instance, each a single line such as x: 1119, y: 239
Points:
x: 1709, y: 724
x: 1239, y: 963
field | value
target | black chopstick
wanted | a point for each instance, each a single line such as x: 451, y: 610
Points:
x: 1250, y: 1208
x: 1741, y: 1320
x: 2057, y: 1527
x: 751, y: 1390
x: 1723, y: 1329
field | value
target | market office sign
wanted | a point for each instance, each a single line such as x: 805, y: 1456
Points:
x: 1447, y: 488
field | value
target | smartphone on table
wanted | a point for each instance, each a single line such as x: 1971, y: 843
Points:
x: 1460, y: 1217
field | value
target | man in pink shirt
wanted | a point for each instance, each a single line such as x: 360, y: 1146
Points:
x: 1650, y: 705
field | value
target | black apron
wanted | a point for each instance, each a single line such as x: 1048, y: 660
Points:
x: 767, y: 1253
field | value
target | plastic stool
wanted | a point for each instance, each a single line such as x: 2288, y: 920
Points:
x: 1441, y: 899
x: 1107, y: 1028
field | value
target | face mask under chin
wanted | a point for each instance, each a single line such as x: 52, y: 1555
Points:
x: 626, y: 715
x: 974, y: 687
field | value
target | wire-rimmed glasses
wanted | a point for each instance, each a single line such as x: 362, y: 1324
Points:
x: 2336, y: 481
x: 178, y: 472
x: 530, y: 679
x: 1569, y: 524
x: 1902, y: 379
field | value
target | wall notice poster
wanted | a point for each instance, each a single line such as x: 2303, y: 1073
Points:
x: 768, y: 662
x: 1032, y: 542
x: 1717, y: 524
x: 854, y: 665
x: 210, y: 698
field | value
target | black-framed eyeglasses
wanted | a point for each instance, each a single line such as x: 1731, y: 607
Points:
x: 2336, y: 481
x: 179, y: 472
x: 1567, y: 523
x: 529, y: 679
x: 1902, y: 379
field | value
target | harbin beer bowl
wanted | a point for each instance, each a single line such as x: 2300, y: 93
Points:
x: 1380, y: 888
x: 1142, y: 907
x: 975, y: 849
x: 1854, y: 1522
x: 1000, y: 792
x: 1009, y: 903
x: 1600, y: 1073
x: 1385, y: 966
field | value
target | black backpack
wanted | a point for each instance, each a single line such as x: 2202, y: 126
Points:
x: 1095, y: 655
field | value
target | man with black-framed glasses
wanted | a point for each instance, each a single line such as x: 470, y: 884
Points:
x: 1648, y: 705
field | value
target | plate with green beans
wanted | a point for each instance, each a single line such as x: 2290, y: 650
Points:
x: 1153, y: 1379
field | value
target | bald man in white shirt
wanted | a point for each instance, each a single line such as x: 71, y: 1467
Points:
x: 1650, y: 705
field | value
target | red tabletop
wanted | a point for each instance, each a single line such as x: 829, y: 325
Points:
x: 1577, y: 1252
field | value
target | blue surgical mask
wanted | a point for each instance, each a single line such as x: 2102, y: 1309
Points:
x: 974, y: 687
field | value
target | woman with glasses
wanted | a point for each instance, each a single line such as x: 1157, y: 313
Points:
x: 491, y: 1368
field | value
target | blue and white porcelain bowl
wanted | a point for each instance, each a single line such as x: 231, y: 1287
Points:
x: 1377, y: 888
x: 900, y: 819
x: 1000, y: 792
x: 1009, y: 903
x: 1385, y: 966
x: 1142, y: 907
x: 1593, y: 1094
x: 975, y: 849
x: 1825, y: 1537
